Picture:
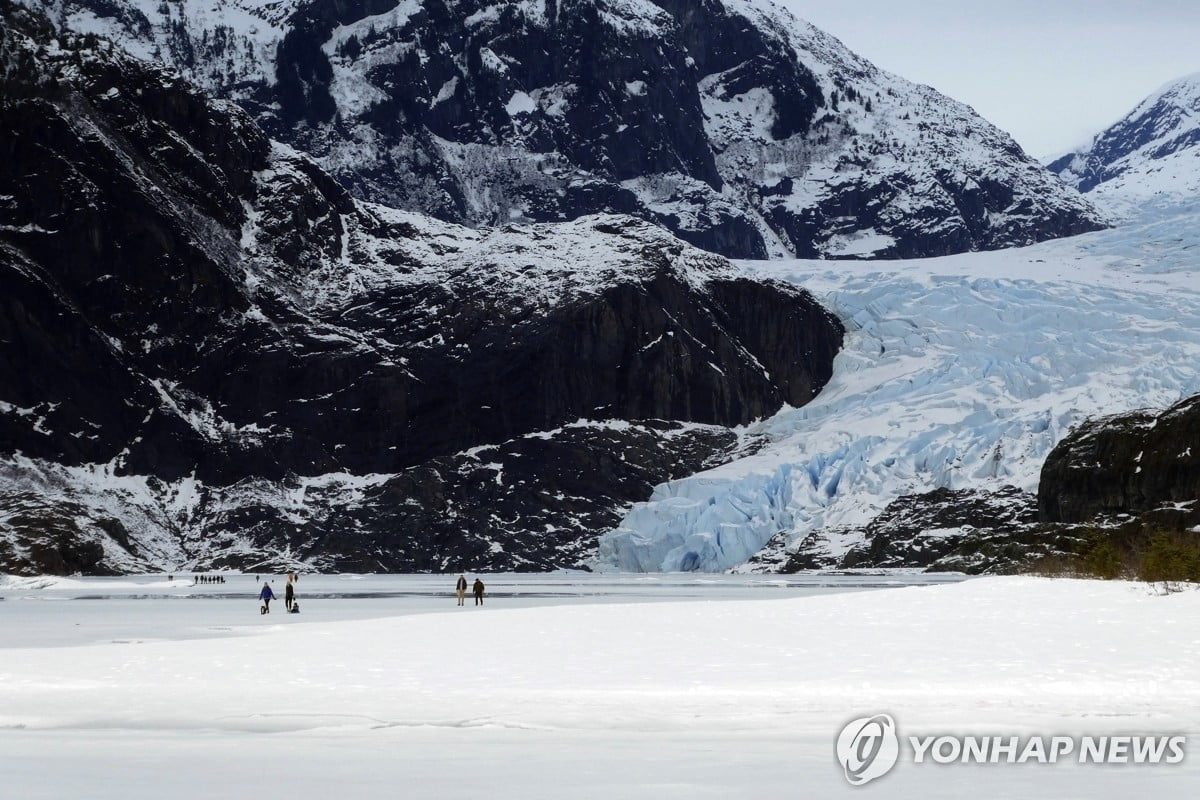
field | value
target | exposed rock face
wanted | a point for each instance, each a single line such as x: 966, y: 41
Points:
x: 211, y: 354
x: 965, y: 530
x: 1129, y: 465
x: 536, y: 502
x: 737, y: 127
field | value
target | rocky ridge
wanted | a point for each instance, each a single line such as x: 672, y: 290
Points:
x: 739, y: 128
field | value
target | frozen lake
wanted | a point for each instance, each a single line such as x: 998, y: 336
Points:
x: 613, y: 687
x: 70, y: 611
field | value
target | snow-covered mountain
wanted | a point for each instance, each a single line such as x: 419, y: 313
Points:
x: 211, y: 354
x: 959, y: 376
x: 738, y: 127
x: 1151, y: 157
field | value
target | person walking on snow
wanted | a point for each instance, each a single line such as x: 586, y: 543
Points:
x: 289, y: 594
x: 460, y: 589
x: 478, y: 589
x: 266, y: 595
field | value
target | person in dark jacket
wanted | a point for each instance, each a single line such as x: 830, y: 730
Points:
x: 478, y: 589
x: 289, y: 594
x: 460, y: 589
x: 266, y: 595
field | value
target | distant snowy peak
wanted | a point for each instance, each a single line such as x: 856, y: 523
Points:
x: 729, y: 122
x: 1151, y: 156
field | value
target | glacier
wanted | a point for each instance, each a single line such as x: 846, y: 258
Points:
x: 957, y: 372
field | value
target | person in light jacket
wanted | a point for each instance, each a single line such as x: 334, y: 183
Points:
x: 460, y: 589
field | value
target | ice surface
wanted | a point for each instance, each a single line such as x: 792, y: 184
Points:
x: 56, y: 611
x: 709, y: 697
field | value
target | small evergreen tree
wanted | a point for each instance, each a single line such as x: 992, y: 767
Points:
x: 351, y: 48
x: 1104, y: 560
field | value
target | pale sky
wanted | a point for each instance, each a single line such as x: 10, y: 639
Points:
x: 1053, y: 73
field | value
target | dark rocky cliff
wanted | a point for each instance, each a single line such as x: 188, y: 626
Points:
x: 1126, y: 465
x: 974, y: 531
x: 211, y: 354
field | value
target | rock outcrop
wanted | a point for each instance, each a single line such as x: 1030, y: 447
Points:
x: 1124, y: 466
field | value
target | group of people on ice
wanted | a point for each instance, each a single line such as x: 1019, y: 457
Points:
x: 266, y: 594
x: 460, y: 590
x: 289, y: 596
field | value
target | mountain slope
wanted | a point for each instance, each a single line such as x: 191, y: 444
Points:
x: 1151, y: 157
x: 211, y: 354
x: 739, y: 128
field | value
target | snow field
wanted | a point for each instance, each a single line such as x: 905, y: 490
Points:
x: 689, y: 699
x: 1066, y: 647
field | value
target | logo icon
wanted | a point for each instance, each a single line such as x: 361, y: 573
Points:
x: 867, y: 748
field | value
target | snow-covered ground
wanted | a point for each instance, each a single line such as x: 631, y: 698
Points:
x: 957, y: 372
x: 737, y: 690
